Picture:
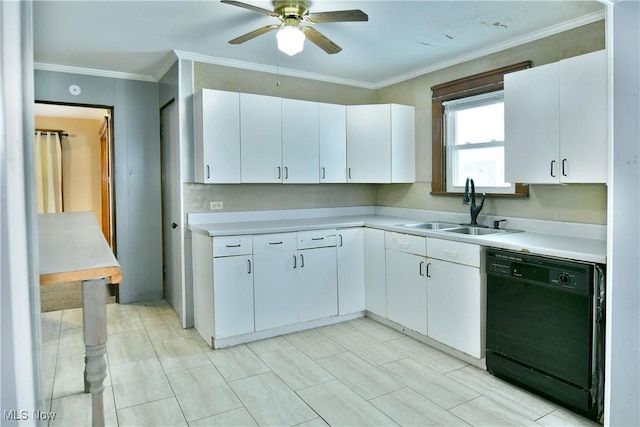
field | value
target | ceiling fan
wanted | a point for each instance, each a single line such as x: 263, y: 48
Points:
x: 291, y: 14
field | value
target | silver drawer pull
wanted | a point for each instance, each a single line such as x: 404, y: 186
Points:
x: 275, y: 243
x: 317, y: 238
x: 233, y: 246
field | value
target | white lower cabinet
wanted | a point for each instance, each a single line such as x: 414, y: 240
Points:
x: 375, y: 272
x: 407, y: 290
x: 275, y: 283
x: 351, y: 288
x: 406, y: 277
x: 295, y: 277
x: 233, y: 295
x: 454, y: 295
x: 223, y: 286
x: 317, y: 283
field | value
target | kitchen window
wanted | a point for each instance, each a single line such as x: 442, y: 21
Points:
x: 468, y: 134
x: 474, y: 137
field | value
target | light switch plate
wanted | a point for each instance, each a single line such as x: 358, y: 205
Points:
x: 216, y: 205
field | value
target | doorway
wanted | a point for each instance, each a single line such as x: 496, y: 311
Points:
x: 85, y: 138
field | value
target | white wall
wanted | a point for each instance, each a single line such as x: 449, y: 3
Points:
x: 21, y: 385
x: 622, y: 357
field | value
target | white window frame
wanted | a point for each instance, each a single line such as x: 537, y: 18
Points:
x: 450, y: 107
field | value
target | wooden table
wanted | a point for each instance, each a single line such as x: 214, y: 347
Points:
x: 72, y: 248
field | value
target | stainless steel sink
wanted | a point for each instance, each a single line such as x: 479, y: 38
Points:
x: 430, y: 225
x: 476, y: 231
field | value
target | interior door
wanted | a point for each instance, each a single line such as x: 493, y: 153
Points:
x: 172, y: 227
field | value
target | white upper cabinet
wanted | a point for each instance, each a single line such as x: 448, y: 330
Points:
x: 300, y: 141
x: 380, y: 143
x: 333, y: 143
x: 261, y: 138
x: 217, y: 136
x: 249, y: 138
x: 556, y: 122
x: 583, y: 111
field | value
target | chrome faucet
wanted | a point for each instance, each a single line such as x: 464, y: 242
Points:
x: 471, y: 197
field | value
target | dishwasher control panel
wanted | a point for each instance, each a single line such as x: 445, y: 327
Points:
x: 555, y: 272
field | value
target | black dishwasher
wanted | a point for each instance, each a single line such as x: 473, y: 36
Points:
x: 545, y: 327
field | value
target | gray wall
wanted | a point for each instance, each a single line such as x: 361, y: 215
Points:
x: 581, y: 202
x: 136, y: 169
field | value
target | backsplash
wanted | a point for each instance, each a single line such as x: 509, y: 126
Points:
x: 255, y: 197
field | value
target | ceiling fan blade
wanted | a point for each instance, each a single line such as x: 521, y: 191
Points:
x: 337, y: 16
x: 250, y: 7
x: 253, y: 34
x: 320, y: 40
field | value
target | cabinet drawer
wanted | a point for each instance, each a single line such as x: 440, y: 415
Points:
x: 316, y: 238
x: 447, y: 250
x: 406, y: 243
x: 232, y: 245
x: 269, y: 243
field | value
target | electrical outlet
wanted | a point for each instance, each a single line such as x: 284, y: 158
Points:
x: 216, y: 205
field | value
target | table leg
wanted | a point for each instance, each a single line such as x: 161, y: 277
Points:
x: 94, y: 318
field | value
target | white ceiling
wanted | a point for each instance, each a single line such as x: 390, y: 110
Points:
x: 402, y: 39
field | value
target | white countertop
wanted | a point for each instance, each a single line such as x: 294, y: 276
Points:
x: 72, y: 247
x: 570, y: 247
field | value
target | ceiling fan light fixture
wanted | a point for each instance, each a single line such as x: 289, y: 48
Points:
x: 290, y: 40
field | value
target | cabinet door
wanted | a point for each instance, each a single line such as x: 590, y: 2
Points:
x: 350, y: 270
x: 375, y: 272
x: 332, y: 121
x: 317, y: 283
x: 583, y: 118
x: 275, y: 289
x: 300, y: 141
x: 369, y: 143
x: 233, y: 296
x: 260, y: 138
x: 217, y: 136
x: 407, y: 290
x: 454, y: 306
x: 531, y: 111
x: 403, y: 143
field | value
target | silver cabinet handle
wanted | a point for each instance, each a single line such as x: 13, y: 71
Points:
x: 279, y: 172
x: 553, y: 163
x: 564, y: 167
x: 208, y: 172
x: 323, y: 173
x: 428, y: 270
x: 317, y: 238
x: 349, y: 173
x: 301, y: 261
x: 420, y: 268
x: 295, y: 262
x: 340, y: 236
x: 248, y: 266
x: 286, y: 172
x: 275, y: 243
x: 233, y: 246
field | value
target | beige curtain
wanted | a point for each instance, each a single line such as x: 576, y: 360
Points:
x: 48, y: 172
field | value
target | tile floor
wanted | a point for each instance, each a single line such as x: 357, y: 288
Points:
x: 355, y: 373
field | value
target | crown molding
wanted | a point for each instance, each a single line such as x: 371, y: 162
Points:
x: 536, y: 35
x: 271, y: 69
x: 92, y: 72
